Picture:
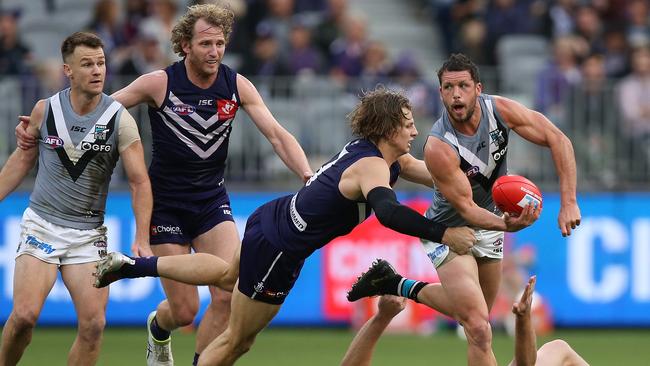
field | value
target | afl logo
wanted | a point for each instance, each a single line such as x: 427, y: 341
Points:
x: 183, y: 109
x: 472, y: 171
x: 53, y: 141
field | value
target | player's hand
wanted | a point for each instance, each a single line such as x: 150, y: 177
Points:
x: 459, y: 239
x: 24, y: 140
x: 528, y: 216
x: 523, y: 307
x: 141, y: 249
x: 569, y: 218
x: 389, y: 305
x: 306, y: 176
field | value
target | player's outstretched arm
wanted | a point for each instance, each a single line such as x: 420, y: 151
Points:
x: 525, y: 340
x: 148, y: 88
x: 370, y: 177
x: 21, y: 160
x: 362, y: 347
x: 414, y: 170
x: 536, y: 128
x: 284, y: 143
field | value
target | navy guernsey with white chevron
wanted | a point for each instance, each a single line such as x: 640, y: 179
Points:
x: 304, y: 222
x: 482, y: 158
x: 190, y: 134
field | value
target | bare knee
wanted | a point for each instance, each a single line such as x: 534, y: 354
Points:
x: 477, y: 327
x: 90, y: 330
x: 24, y: 319
x: 184, y: 314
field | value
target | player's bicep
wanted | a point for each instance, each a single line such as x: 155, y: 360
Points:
x: 148, y: 88
x: 36, y: 119
x: 444, y: 165
x: 370, y: 173
x: 527, y: 123
x: 128, y: 131
x: 256, y: 109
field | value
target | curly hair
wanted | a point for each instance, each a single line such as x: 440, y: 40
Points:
x: 379, y: 114
x: 217, y: 16
x: 459, y: 62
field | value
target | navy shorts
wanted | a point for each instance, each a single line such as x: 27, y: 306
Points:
x: 179, y: 222
x: 266, y: 273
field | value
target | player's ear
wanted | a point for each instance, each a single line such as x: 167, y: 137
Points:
x: 186, y: 45
x: 67, y: 70
x: 479, y: 88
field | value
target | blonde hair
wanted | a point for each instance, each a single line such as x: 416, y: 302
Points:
x: 217, y: 16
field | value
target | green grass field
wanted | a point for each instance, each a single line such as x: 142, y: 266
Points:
x: 286, y: 347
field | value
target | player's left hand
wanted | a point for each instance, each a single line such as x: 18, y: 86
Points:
x: 524, y: 305
x: 389, y: 305
x: 569, y: 218
x: 141, y: 249
x: 306, y: 176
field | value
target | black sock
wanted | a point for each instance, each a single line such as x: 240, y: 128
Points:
x: 159, y: 334
x: 143, y: 267
x: 196, y: 359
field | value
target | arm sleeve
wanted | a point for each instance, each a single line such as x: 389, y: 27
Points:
x: 403, y: 219
x: 128, y: 131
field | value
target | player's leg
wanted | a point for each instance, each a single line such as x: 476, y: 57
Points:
x: 460, y: 279
x: 248, y: 317
x: 558, y: 352
x: 90, y: 305
x: 489, y: 255
x: 221, y: 241
x: 33, y: 280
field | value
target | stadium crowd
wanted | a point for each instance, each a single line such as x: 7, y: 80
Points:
x: 590, y: 75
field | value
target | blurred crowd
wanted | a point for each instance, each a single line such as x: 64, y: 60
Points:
x: 596, y: 58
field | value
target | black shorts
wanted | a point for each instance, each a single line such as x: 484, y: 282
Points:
x: 266, y: 273
x: 179, y: 222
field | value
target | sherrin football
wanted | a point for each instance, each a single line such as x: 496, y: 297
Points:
x: 512, y: 193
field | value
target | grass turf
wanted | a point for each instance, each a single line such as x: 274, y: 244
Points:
x: 286, y: 347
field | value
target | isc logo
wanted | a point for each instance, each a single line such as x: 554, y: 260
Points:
x: 89, y: 146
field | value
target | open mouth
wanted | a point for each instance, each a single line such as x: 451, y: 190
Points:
x: 457, y: 108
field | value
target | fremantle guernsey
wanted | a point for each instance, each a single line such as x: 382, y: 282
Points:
x: 482, y: 158
x: 190, y: 134
x: 77, y: 155
x: 306, y: 221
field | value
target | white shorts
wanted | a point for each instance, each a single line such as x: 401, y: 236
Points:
x: 488, y: 244
x: 59, y: 245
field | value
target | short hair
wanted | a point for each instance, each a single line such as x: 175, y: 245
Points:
x: 217, y: 16
x: 459, y: 62
x: 76, y: 39
x: 379, y: 113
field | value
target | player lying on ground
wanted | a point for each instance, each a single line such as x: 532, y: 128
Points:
x: 553, y: 353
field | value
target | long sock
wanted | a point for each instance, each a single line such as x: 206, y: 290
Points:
x: 160, y: 334
x: 400, y: 286
x: 196, y: 359
x: 143, y: 267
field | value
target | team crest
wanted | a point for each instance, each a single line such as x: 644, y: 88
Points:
x: 497, y: 137
x: 226, y: 108
x: 100, y: 132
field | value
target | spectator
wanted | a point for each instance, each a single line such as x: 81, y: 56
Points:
x: 303, y: 58
x: 638, y: 29
x: 266, y: 63
x: 162, y: 20
x: 557, y: 77
x: 616, y: 59
x: 590, y: 28
x: 15, y: 57
x: 407, y: 76
x: 329, y: 29
x: 105, y: 23
x: 634, y: 101
x: 279, y: 20
x: 135, y: 12
x: 376, y: 66
x: 145, y: 57
x: 472, y: 40
x: 561, y: 18
x: 505, y: 17
x: 347, y: 51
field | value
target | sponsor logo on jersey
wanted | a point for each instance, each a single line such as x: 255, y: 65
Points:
x: 93, y: 146
x: 166, y: 229
x: 183, y: 109
x: 45, y: 247
x: 53, y: 141
x: 440, y: 250
x: 206, y: 102
x: 472, y: 171
x: 226, y: 210
x: 226, y: 108
x: 78, y: 129
x: 498, y: 242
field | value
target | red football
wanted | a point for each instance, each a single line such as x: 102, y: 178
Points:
x: 512, y: 193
